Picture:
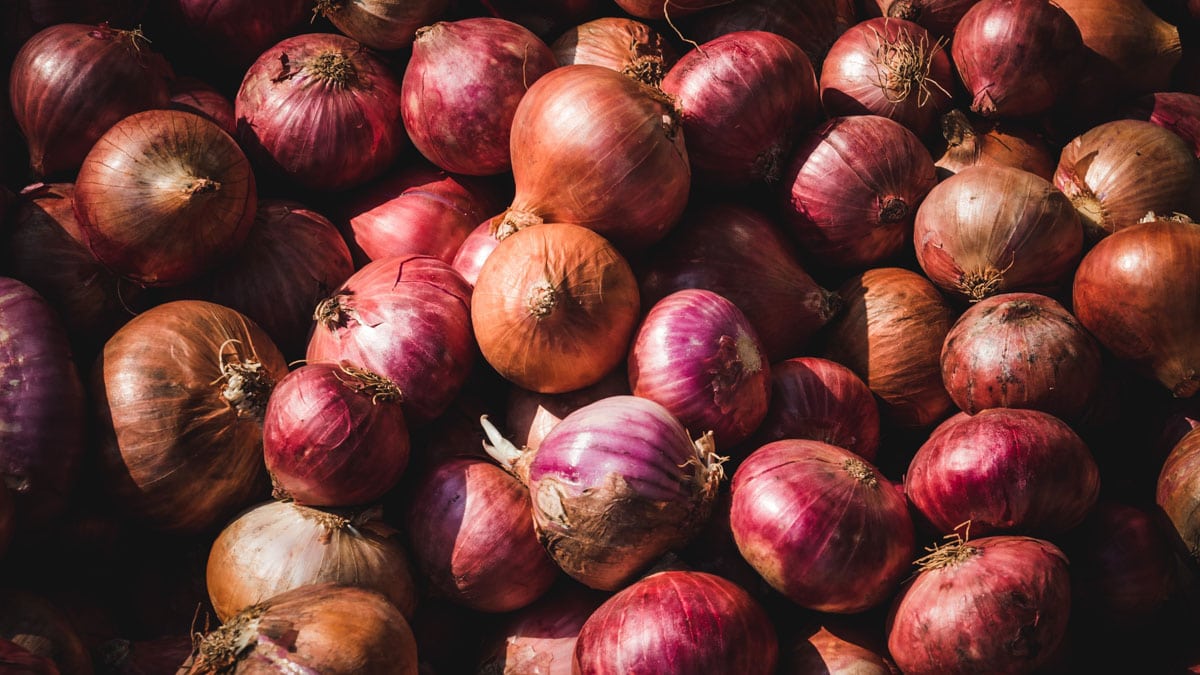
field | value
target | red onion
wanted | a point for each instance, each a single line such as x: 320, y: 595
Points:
x: 531, y: 415
x: 541, y: 638
x: 480, y: 69
x: 472, y: 536
x: 195, y: 96
x: 997, y: 604
x: 742, y: 100
x: 1015, y: 57
x: 163, y: 196
x: 988, y: 230
x: 30, y: 16
x: 1137, y: 292
x: 42, y: 412
x: 1177, y: 111
x: 835, y: 650
x: 595, y: 148
x: 970, y: 142
x: 888, y: 67
x: 669, y: 9
x: 382, y: 24
x: 1132, y: 50
x: 33, y: 624
x: 821, y: 400
x: 615, y: 485
x: 71, y: 82
x: 852, y: 188
x: 939, y: 17
x: 334, y: 435
x: 235, y: 32
x: 16, y: 659
x: 821, y: 525
x: 697, y: 355
x: 476, y: 248
x: 678, y: 622
x: 813, y: 24
x: 1004, y: 470
x: 1177, y: 492
x: 620, y: 43
x: 325, y: 78
x: 1021, y: 350
x: 407, y: 318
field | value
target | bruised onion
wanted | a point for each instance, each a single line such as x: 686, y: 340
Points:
x: 1174, y: 110
x: 813, y: 25
x: 1132, y: 49
x: 988, y: 230
x: 970, y: 142
x: 235, y: 32
x: 191, y: 95
x: 846, y: 540
x: 678, y: 621
x: 541, y: 637
x: 939, y: 17
x: 852, y: 187
x: 615, y: 485
x: 382, y: 24
x: 530, y: 415
x: 620, y: 43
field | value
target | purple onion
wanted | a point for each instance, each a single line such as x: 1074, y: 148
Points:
x: 1174, y: 110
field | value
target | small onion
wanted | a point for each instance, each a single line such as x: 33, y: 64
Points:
x: 1178, y: 491
x: 678, y: 622
x: 1133, y: 50
x: 813, y: 24
x: 275, y: 547
x: 970, y: 142
x: 530, y: 415
x: 382, y: 24
x: 235, y: 32
x: 195, y: 96
x: 939, y: 17
x: 1177, y: 111
x: 541, y: 638
x: 625, y: 45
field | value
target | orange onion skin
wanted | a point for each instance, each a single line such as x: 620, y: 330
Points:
x: 1176, y: 494
x: 1131, y: 50
x: 971, y: 142
x: 623, y: 44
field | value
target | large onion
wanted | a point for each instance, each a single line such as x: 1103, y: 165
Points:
x: 970, y: 142
x: 620, y: 43
x: 382, y: 24
x: 1132, y: 50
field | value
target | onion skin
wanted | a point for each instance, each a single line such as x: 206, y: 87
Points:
x: 164, y: 196
x: 383, y: 24
x: 476, y: 248
x: 145, y: 657
x: 541, y: 637
x: 877, y: 337
x: 652, y: 9
x: 697, y: 355
x: 1132, y: 49
x: 326, y: 77
x: 971, y: 142
x: 625, y: 45
x: 1021, y: 350
x: 1130, y: 284
x: 235, y: 32
x: 835, y: 649
x: 677, y: 622
x: 529, y: 415
x: 472, y: 537
x: 939, y: 17
x: 988, y: 230
x: 1177, y: 111
x: 195, y: 96
x: 813, y: 25
x: 998, y: 604
x: 1177, y: 494
x: 1005, y: 470
x: 848, y: 203
x: 71, y: 82
x: 34, y: 624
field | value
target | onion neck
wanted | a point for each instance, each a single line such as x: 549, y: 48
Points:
x: 511, y: 458
x: 861, y: 472
x: 940, y: 556
x: 245, y: 384
x: 334, y: 68
x: 200, y: 186
x: 513, y: 221
x: 893, y: 209
x: 218, y: 651
x: 1020, y: 310
x: 363, y: 381
x: 327, y: 8
x: 648, y: 69
x: 542, y: 300
x: 980, y: 284
x: 768, y: 164
x: 904, y: 9
x: 710, y: 466
x: 334, y: 311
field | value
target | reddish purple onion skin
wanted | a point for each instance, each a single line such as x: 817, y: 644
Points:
x: 472, y: 537
x: 195, y: 96
x: 846, y: 540
x: 1021, y: 350
x: 813, y: 25
x: 834, y: 649
x: 1005, y: 470
x: 697, y: 355
x: 479, y: 68
x: 541, y: 638
x: 743, y: 98
x: 678, y: 622
x: 939, y: 17
x: 530, y: 415
x: 1178, y: 494
x: 998, y: 605
x: 235, y: 32
x: 407, y: 318
x: 852, y: 187
x: 475, y: 249
x: 1174, y: 110
x: 970, y: 141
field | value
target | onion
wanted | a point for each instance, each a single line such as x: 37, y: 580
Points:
x: 322, y: 628
x: 625, y: 45
x: 678, y: 622
x: 697, y: 355
x: 71, y: 82
x: 1004, y: 470
x: 821, y: 400
x: 615, y: 485
x: 739, y: 253
x: 988, y: 230
x: 179, y: 394
x: 195, y: 96
x: 939, y: 17
x: 163, y: 196
x: 275, y: 547
x: 971, y: 142
x: 554, y: 308
x: 32, y: 623
x: 1103, y: 173
x: 1177, y: 492
x: 821, y: 525
x: 835, y: 650
x: 472, y: 536
x: 325, y: 78
x: 811, y: 24
x: 26, y: 17
x: 1015, y: 57
x: 17, y: 659
x: 888, y: 67
x: 530, y: 415
x: 1137, y: 293
x: 1131, y: 49
x: 653, y: 9
x: 1021, y: 350
x: 144, y: 657
x: 334, y: 435
x: 595, y: 148
x: 407, y: 318
x: 382, y: 24
x: 997, y: 604
x: 42, y: 438
x: 1177, y: 111
x: 541, y: 638
x: 742, y: 99
x: 890, y: 334
x: 235, y: 32
x: 476, y: 248
x: 852, y: 188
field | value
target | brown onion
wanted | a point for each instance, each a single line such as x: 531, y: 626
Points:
x: 541, y: 637
x: 531, y: 415
x: 988, y: 230
x: 1178, y: 491
x: 620, y: 43
x: 382, y: 24
x: 939, y: 17
x: 811, y: 24
x: 1132, y: 50
x: 971, y: 142
x: 890, y: 334
x: 1174, y: 110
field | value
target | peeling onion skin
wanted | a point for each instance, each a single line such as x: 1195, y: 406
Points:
x: 973, y: 141
x: 622, y: 44
x: 1178, y: 494
x: 833, y: 649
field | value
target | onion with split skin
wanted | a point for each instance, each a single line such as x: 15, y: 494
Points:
x: 382, y: 24
x: 623, y: 44
x: 976, y: 142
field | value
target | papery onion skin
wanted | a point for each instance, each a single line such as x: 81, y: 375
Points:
x: 813, y: 25
x: 971, y: 142
x: 529, y: 416
x: 1133, y: 50
x: 1177, y: 111
x: 164, y: 196
x: 472, y: 537
x: 852, y: 187
x: 326, y: 77
x: 1004, y: 470
x: 277, y: 546
x: 541, y: 637
x: 71, y: 82
x: 195, y: 96
x: 1014, y: 594
x: 1021, y: 350
x: 988, y: 230
x: 626, y: 45
x: 847, y: 540
x: 833, y: 649
x: 939, y: 17
x: 475, y: 249
x: 383, y: 24
x: 235, y: 32
x: 697, y: 355
x: 653, y: 9
x: 1178, y: 491
x: 678, y: 622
